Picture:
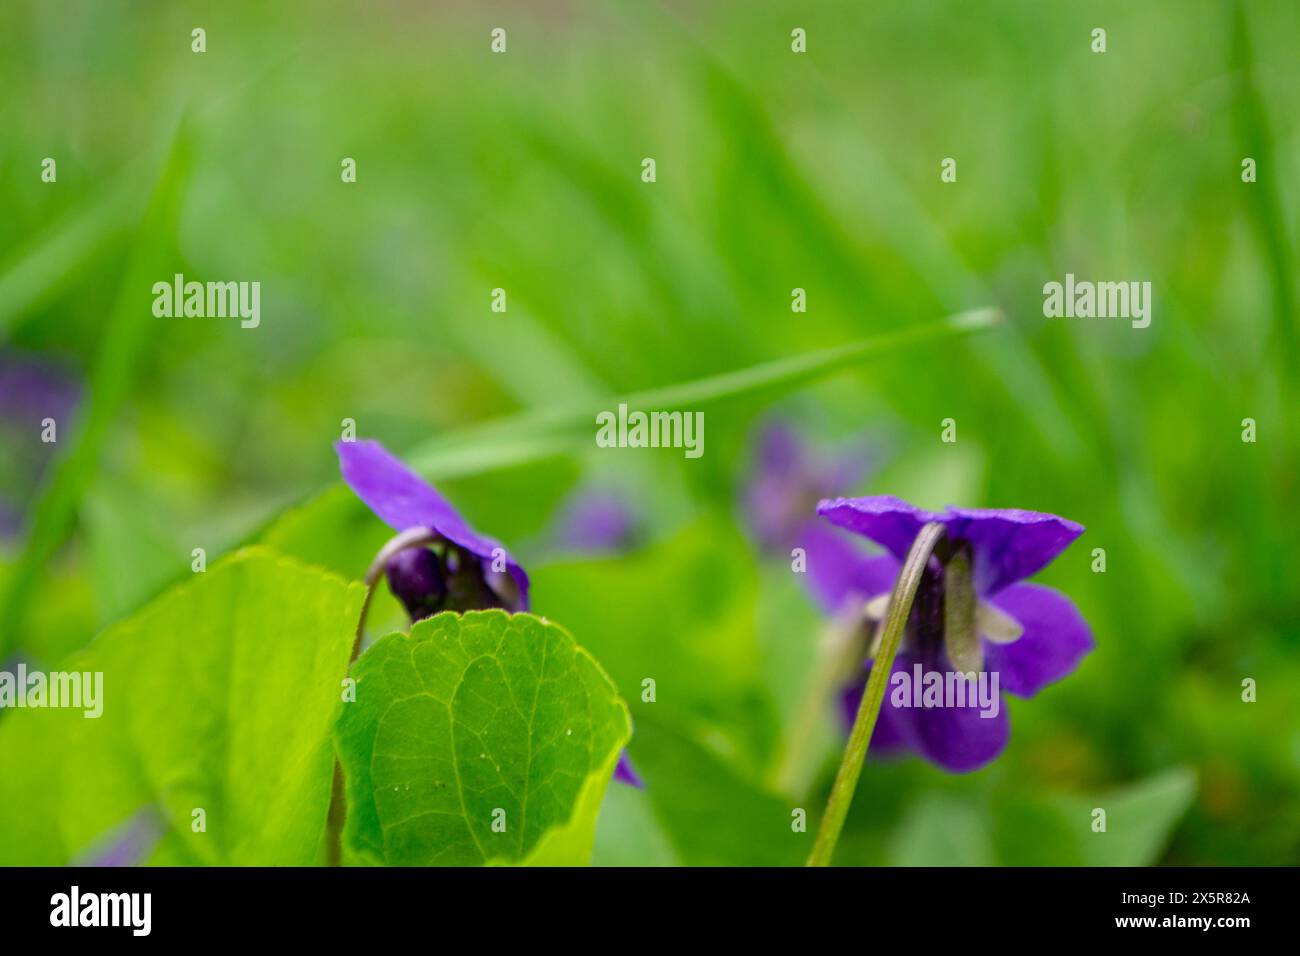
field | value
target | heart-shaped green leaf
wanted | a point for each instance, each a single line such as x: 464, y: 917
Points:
x: 482, y: 738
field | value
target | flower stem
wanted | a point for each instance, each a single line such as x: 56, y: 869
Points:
x: 840, y: 651
x: 855, y: 752
x: 410, y: 538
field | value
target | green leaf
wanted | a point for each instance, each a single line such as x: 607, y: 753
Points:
x: 483, y: 738
x: 221, y: 695
x: 628, y: 833
x: 942, y: 830
x: 681, y: 613
x: 132, y: 552
x: 712, y: 814
x: 54, y: 260
x: 1059, y: 829
x: 1139, y: 819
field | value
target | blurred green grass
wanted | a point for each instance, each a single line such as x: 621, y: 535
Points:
x: 774, y: 171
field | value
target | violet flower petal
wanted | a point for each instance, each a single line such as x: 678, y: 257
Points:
x: 402, y: 499
x: 1006, y: 546
x: 890, y: 522
x: 1009, y: 544
x: 1055, y: 639
x: 839, y: 572
x: 624, y: 772
x: 131, y: 843
x: 893, y: 732
x: 959, y: 739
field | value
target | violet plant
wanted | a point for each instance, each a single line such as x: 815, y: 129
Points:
x: 948, y: 599
x: 437, y: 562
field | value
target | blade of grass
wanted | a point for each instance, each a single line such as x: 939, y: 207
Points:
x: 756, y: 381
x: 126, y: 337
x: 35, y: 277
x: 1269, y: 212
x: 536, y: 435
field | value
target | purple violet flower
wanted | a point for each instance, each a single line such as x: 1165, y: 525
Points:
x: 789, y: 479
x: 131, y: 843
x: 455, y: 574
x: 32, y: 389
x: 594, y: 522
x: 1028, y: 635
x: 463, y: 571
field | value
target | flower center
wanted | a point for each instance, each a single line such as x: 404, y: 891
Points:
x: 439, y: 578
x: 947, y: 615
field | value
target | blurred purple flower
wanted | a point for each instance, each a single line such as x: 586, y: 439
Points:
x: 594, y: 522
x: 463, y: 571
x: 1027, y: 634
x: 31, y: 390
x: 130, y: 844
x: 780, y: 501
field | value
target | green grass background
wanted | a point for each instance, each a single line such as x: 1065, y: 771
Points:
x: 775, y: 171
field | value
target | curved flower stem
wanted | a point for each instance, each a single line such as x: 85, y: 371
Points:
x: 855, y: 752
x: 839, y: 654
x: 410, y: 538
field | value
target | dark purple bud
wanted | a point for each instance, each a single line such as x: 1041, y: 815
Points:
x: 467, y: 585
x: 404, y: 501
x: 415, y: 578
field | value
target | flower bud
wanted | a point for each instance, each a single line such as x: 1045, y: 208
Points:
x: 415, y: 578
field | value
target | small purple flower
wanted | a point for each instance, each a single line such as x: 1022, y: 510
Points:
x: 459, y: 573
x: 462, y: 571
x: 415, y: 576
x: 31, y: 390
x: 131, y: 843
x: 789, y: 479
x: 626, y: 773
x: 1028, y: 635
x: 594, y: 522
